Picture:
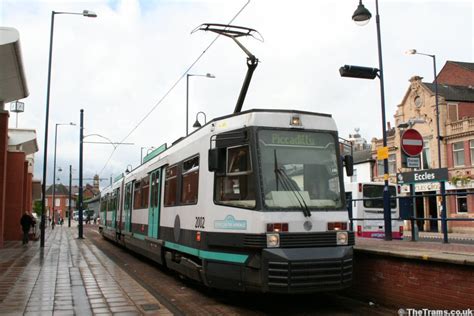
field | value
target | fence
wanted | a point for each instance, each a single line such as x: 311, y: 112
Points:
x: 407, y: 210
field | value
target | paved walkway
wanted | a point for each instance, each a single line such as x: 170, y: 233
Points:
x: 69, y: 276
x: 425, y: 250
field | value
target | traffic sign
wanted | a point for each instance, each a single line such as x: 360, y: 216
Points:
x: 412, y: 142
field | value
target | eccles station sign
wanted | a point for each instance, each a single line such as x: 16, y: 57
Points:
x: 429, y: 175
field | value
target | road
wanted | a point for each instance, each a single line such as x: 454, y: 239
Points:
x: 184, y: 297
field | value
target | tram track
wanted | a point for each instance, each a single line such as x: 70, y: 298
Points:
x: 184, y: 297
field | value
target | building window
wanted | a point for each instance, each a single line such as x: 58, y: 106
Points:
x: 190, y: 180
x: 426, y: 157
x: 57, y: 202
x: 471, y: 146
x: 461, y: 198
x: 171, y: 185
x: 458, y: 154
x: 380, y: 168
x: 392, y: 164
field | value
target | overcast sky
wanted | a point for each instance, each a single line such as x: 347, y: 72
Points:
x: 118, y: 66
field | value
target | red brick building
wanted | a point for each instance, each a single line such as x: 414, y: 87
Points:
x: 60, y: 206
x: 16, y: 146
x: 456, y: 117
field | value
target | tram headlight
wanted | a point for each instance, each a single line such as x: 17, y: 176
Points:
x: 341, y: 237
x: 273, y: 240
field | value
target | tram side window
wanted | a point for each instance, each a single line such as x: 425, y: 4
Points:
x: 237, y: 186
x: 137, y: 195
x: 190, y: 181
x: 145, y: 189
x: 171, y: 184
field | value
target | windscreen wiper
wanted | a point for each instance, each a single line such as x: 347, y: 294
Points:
x: 288, y: 185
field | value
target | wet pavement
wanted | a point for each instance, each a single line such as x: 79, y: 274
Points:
x: 69, y: 276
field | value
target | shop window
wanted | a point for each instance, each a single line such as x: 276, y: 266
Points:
x: 190, y: 181
x: 461, y: 198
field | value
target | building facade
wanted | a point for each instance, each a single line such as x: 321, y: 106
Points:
x: 456, y: 120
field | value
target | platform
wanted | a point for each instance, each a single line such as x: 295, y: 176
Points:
x: 69, y: 276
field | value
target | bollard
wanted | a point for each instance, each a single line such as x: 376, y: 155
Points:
x: 414, y: 230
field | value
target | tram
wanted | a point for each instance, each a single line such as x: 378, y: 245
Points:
x: 252, y: 201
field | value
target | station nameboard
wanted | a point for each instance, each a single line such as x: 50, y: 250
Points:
x: 429, y: 175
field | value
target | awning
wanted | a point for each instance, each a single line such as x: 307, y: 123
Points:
x: 23, y: 140
x: 12, y: 77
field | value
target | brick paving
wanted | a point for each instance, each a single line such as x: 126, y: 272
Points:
x: 69, y: 276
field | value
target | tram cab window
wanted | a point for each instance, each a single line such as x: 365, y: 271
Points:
x: 237, y: 186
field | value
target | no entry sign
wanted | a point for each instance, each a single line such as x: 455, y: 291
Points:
x: 412, y: 142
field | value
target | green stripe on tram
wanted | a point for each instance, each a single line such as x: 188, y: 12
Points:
x: 139, y: 236
x: 203, y: 254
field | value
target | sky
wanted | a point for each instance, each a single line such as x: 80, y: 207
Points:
x: 126, y: 68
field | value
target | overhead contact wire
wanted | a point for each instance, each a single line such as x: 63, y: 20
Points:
x: 170, y: 89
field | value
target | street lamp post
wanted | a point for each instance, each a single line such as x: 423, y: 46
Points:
x: 85, y: 13
x: 208, y: 75
x: 70, y: 197
x: 54, y: 168
x: 80, y: 198
x: 444, y: 223
x: 362, y: 16
x: 197, y: 124
x: 141, y: 154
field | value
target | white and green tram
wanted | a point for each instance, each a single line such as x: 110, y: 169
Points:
x: 252, y: 201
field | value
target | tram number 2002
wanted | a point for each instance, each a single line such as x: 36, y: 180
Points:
x: 200, y: 222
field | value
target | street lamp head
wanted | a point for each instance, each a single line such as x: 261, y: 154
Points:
x: 411, y: 52
x: 361, y: 15
x: 208, y: 75
x: 197, y: 124
x: 358, y: 72
x: 89, y: 14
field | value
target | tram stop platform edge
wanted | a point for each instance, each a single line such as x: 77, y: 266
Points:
x: 454, y: 253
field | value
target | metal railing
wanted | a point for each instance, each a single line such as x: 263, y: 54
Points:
x: 407, y: 205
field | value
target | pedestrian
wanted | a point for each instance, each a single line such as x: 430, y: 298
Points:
x: 26, y: 222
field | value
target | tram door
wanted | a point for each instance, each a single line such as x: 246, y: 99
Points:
x: 128, y: 206
x: 154, y: 210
